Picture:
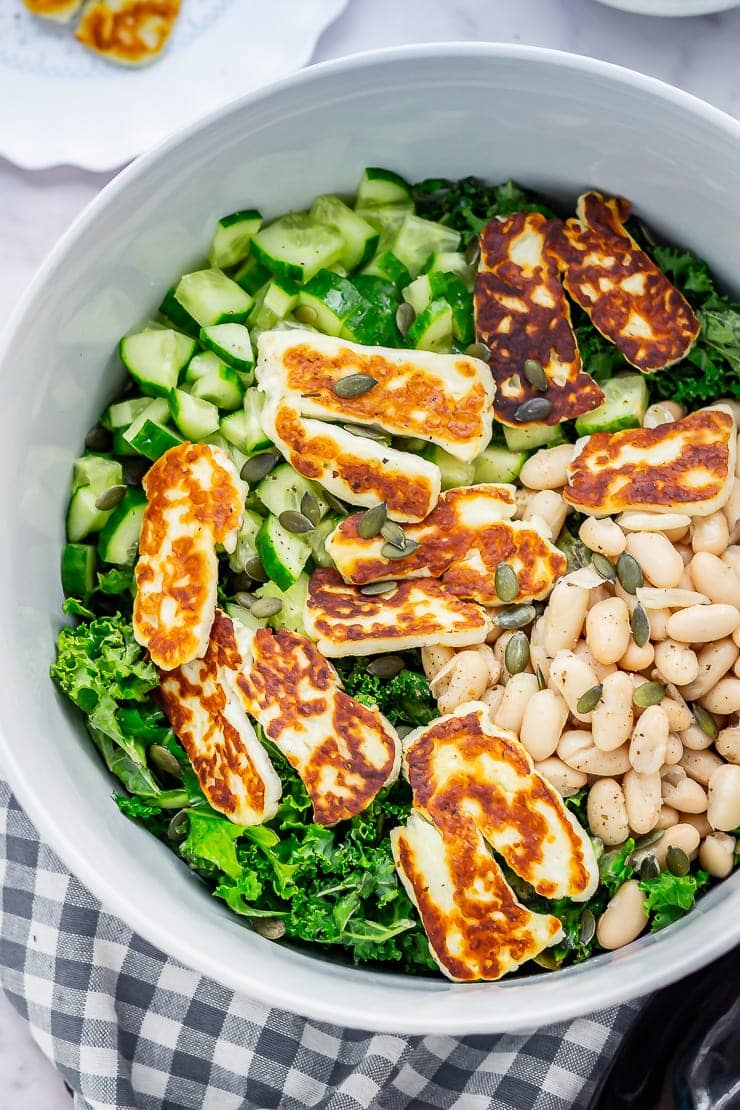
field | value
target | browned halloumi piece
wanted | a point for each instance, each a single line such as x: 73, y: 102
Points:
x: 687, y: 466
x: 521, y: 313
x: 343, y: 751
x: 130, y: 32
x: 195, y: 501
x: 206, y: 714
x: 61, y: 11
x: 421, y: 611
x: 628, y: 298
x: 462, y: 541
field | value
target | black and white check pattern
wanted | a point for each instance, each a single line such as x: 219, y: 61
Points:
x: 128, y: 1027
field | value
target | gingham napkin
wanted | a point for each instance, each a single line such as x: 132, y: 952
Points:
x: 129, y: 1027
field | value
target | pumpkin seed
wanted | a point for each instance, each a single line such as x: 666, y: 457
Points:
x: 265, y: 607
x: 386, y: 666
x: 98, y: 439
x: 244, y: 599
x: 649, y: 868
x: 649, y: 693
x: 295, y: 522
x: 548, y: 960
x: 367, y: 431
x: 647, y: 840
x: 374, y: 588
x: 354, y: 385
x: 271, y: 928
x: 587, y: 927
x: 256, y: 468
x: 253, y: 567
x: 705, y: 721
x: 588, y: 701
x: 178, y: 826
x: 241, y: 582
x: 516, y: 616
x: 603, y: 567
x: 541, y: 683
x: 677, y: 861
x: 535, y: 374
x: 372, y: 521
x: 472, y: 252
x: 506, y: 582
x: 479, y: 350
x: 629, y: 573
x: 404, y: 730
x: 306, y: 314
x: 134, y: 470
x: 334, y: 503
x: 640, y: 624
x: 110, y: 497
x: 405, y: 317
x: 647, y: 233
x: 164, y: 760
x: 390, y: 551
x: 536, y: 408
x: 516, y: 656
x: 394, y: 533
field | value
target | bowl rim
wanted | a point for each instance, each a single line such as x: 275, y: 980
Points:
x: 671, y: 8
x: 679, y: 953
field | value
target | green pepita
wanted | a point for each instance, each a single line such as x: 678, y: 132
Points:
x: 110, y: 497
x: 244, y: 599
x: 535, y: 374
x: 164, y: 760
x: 295, y: 522
x: 506, y: 582
x: 588, y: 701
x: 394, y: 533
x: 372, y: 520
x: 603, y: 567
x: 587, y: 927
x: 334, y: 503
x: 390, y: 551
x: 705, y: 721
x: 311, y: 508
x: 533, y: 410
x: 479, y: 350
x: 265, y: 607
x: 386, y: 666
x: 629, y: 573
x: 271, y: 928
x: 640, y: 624
x: 367, y: 431
x: 354, y: 385
x: 306, y: 314
x: 259, y: 466
x: 516, y: 655
x: 134, y: 470
x: 373, y: 589
x: 516, y: 616
x: 541, y: 682
x: 405, y: 317
x: 178, y: 826
x: 677, y: 861
x: 472, y: 252
x: 649, y: 868
x: 98, y: 439
x: 253, y: 567
x: 649, y: 693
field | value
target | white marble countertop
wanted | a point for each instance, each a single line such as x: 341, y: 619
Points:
x: 699, y: 55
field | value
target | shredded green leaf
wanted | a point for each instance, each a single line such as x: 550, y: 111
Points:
x: 669, y: 896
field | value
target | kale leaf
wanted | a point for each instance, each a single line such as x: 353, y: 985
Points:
x: 469, y: 204
x: 404, y: 699
x: 669, y: 896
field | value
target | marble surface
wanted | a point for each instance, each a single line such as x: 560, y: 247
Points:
x: 699, y: 55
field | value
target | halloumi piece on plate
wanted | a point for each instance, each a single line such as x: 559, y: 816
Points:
x: 462, y: 541
x: 195, y: 501
x: 351, y: 467
x: 521, y: 313
x: 207, y: 716
x: 628, y: 298
x: 343, y: 751
x: 343, y: 621
x: 130, y: 32
x: 442, y: 398
x: 687, y: 466
x: 61, y: 11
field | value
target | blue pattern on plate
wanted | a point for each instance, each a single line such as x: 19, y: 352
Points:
x: 40, y: 46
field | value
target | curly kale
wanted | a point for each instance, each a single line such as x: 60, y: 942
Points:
x: 405, y: 699
x: 469, y: 204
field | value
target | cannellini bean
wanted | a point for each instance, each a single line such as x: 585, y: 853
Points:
x: 611, y: 720
x: 676, y: 662
x: 577, y: 749
x: 686, y: 582
x: 624, y: 917
x: 695, y: 739
x: 434, y: 658
x: 599, y: 593
x: 724, y: 698
x: 731, y: 558
x: 547, y: 468
x: 629, y: 599
x: 488, y: 656
x: 731, y: 507
x: 717, y: 854
x: 637, y: 658
x: 549, y: 506
x: 517, y: 692
x: 701, y: 765
x: 714, y: 660
x: 542, y: 724
x: 728, y: 744
x: 604, y: 536
x: 653, y: 597
x: 715, y: 579
x: 667, y: 818
x: 492, y: 698
x: 572, y: 677
x: 657, y: 414
x: 683, y: 793
x: 643, y: 799
x: 565, y: 779
x: 683, y: 836
x: 607, y: 812
x: 537, y: 654
x: 697, y: 821
x: 661, y: 563
x: 495, y: 632
x: 673, y: 750
x: 701, y: 624
x: 601, y: 670
x: 723, y: 811
x: 649, y: 741
x: 678, y: 714
x: 467, y: 680
x: 608, y: 630
x: 658, y: 622
x: 564, y: 617
x: 653, y: 522
x: 710, y: 533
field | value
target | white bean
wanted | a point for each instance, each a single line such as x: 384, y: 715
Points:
x: 676, y: 662
x: 710, y: 533
x: 607, y: 812
x: 565, y: 779
x: 517, y: 692
x: 731, y: 507
x: 667, y: 818
x: 728, y: 744
x: 549, y: 506
x: 701, y: 765
x: 492, y: 698
x: 683, y: 793
x: 717, y: 854
x: 488, y: 656
x: 434, y: 658
x: 601, y: 670
x: 603, y: 536
x: 678, y: 714
x: 654, y: 522
x: 643, y: 800
x: 683, y: 836
x: 543, y: 721
x: 661, y: 563
x: 649, y: 741
x: 611, y: 720
x: 468, y: 679
x: 714, y: 660
x: 711, y: 576
x: 572, y: 677
x: 673, y: 750
x: 564, y: 617
x: 577, y: 750
x: 695, y: 739
x: 731, y: 558
x: 723, y: 810
x: 700, y: 624
x: 608, y: 630
x: 697, y: 821
x: 724, y: 698
x: 624, y: 917
x: 658, y: 622
x: 547, y: 468
x: 637, y: 658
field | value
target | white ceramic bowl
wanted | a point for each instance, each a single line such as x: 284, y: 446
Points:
x: 671, y: 7
x: 552, y: 121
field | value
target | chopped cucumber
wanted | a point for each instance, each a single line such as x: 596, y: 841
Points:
x: 79, y: 563
x: 239, y: 613
x: 387, y: 265
x: 296, y: 247
x: 201, y: 365
x: 373, y: 322
x: 82, y: 515
x: 96, y: 471
x: 294, y: 604
x: 212, y: 298
x: 273, y: 303
x: 246, y: 541
x: 452, y: 262
x: 497, y: 464
x: 317, y: 540
x: 283, y: 554
x: 195, y: 418
x: 155, y: 357
x: 231, y: 343
x: 360, y: 238
x: 454, y: 471
x: 231, y: 239
x: 436, y: 286
x: 255, y: 438
x: 251, y: 275
x: 531, y: 436
x: 284, y: 488
x: 417, y: 239
x: 419, y: 293
x: 221, y: 387
x: 379, y: 187
x: 624, y: 406
x: 332, y: 298
x: 230, y: 450
x: 433, y: 329
x: 122, y: 413
x: 234, y: 428
x: 177, y: 315
x: 118, y: 542
x: 152, y: 439
x: 157, y: 410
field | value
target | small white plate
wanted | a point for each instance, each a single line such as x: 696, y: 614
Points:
x: 671, y: 7
x: 64, y: 105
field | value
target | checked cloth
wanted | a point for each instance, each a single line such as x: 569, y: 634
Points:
x: 129, y: 1027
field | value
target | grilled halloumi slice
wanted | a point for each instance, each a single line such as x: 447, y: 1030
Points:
x: 687, y: 466
x: 444, y: 399
x: 521, y: 313
x: 343, y: 621
x: 344, y: 752
x: 195, y: 501
x: 462, y: 541
x: 207, y: 716
x: 130, y: 32
x: 628, y: 298
x: 61, y: 11
x: 358, y: 470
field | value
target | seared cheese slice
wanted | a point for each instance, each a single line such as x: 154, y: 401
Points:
x: 628, y: 298
x: 130, y: 32
x: 344, y: 752
x: 358, y: 470
x: 521, y: 313
x: 61, y: 11
x: 462, y: 541
x: 195, y: 501
x: 343, y: 621
x: 207, y: 716
x: 444, y: 399
x: 687, y: 466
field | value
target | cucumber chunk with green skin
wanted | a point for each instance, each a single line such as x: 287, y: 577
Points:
x: 332, y: 298
x: 497, y: 464
x: 255, y: 437
x: 294, y: 604
x: 234, y: 428
x: 195, y: 418
x: 230, y: 450
x: 246, y: 541
x: 451, y: 262
x: 201, y: 365
x: 155, y: 358
x: 295, y: 247
x: 118, y: 542
x: 212, y: 298
x: 373, y: 322
x: 624, y: 406
x: 157, y: 410
x: 152, y: 439
x: 283, y: 489
x: 231, y: 343
x: 83, y: 517
x: 433, y: 329
x: 379, y: 187
x: 317, y: 540
x: 96, y: 471
x: 251, y: 275
x: 173, y: 311
x: 231, y: 239
x: 79, y: 563
x: 387, y: 265
x: 532, y: 436
x: 283, y: 554
x: 419, y: 293
x: 417, y: 239
x: 454, y: 471
x: 360, y: 238
x: 450, y: 288
x: 221, y: 387
x: 122, y: 413
x: 273, y: 303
